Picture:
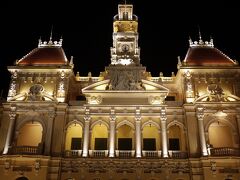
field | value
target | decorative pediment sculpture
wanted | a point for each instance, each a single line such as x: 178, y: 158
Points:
x: 215, y: 93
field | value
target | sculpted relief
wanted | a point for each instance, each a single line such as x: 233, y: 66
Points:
x: 36, y: 93
x: 215, y: 93
x: 125, y: 80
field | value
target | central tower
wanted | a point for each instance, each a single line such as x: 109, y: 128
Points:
x: 125, y: 71
x: 125, y: 50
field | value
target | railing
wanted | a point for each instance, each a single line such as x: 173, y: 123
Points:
x: 73, y: 153
x: 125, y: 153
x: 98, y: 153
x: 152, y: 154
x: 178, y: 154
x: 225, y: 151
x: 25, y: 150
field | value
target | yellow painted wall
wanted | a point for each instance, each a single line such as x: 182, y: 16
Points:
x: 30, y: 134
x: 220, y: 135
x: 98, y: 131
x: 125, y: 131
x: 152, y: 132
x: 177, y: 132
x: 73, y: 131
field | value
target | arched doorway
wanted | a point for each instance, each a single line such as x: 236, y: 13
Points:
x: 73, y: 137
x: 125, y: 138
x: 220, y: 135
x: 99, y: 138
x: 30, y: 134
x: 29, y: 139
x: 176, y: 138
x: 151, y: 140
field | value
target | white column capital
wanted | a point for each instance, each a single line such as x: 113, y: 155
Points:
x: 112, y: 115
x: 163, y: 114
x: 200, y: 113
x: 12, y: 113
x: 138, y: 115
x: 87, y: 118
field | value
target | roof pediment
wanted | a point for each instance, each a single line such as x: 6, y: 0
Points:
x: 152, y: 93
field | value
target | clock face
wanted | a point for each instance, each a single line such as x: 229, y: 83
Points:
x: 125, y: 48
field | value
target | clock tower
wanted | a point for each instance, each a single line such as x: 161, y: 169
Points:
x: 125, y: 71
x: 125, y: 50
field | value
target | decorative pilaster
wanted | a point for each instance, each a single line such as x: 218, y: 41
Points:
x: 13, y: 86
x: 138, y: 133
x: 87, y: 118
x: 189, y: 87
x: 61, y: 88
x: 163, y: 119
x: 238, y: 120
x: 200, y: 116
x: 49, y: 133
x: 112, y: 133
x: 12, y: 117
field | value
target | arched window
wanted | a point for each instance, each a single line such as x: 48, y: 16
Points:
x: 99, y: 139
x: 176, y: 138
x: 73, y: 137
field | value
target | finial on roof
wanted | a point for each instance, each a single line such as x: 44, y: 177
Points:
x: 71, y: 62
x: 179, y: 62
x: 200, y: 36
x: 50, y: 38
x: 190, y: 41
x: 39, y: 41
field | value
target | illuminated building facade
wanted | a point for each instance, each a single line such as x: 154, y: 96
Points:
x: 124, y: 124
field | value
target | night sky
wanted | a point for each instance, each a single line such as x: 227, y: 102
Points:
x: 86, y: 28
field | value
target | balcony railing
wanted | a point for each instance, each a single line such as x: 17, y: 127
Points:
x: 73, y: 153
x: 98, y: 153
x: 178, y: 154
x: 152, y: 154
x: 28, y: 150
x: 225, y: 151
x: 125, y: 153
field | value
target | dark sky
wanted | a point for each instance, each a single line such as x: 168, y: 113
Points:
x: 86, y: 28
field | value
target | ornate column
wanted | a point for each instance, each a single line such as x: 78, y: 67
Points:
x: 87, y: 118
x: 13, y: 85
x: 12, y: 117
x: 200, y: 116
x: 163, y: 119
x: 138, y: 133
x: 48, y: 137
x: 61, y: 87
x: 112, y: 133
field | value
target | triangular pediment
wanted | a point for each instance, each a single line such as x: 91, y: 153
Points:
x: 102, y: 86
x: 151, y: 93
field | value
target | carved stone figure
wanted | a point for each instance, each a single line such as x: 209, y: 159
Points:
x: 215, y: 93
x: 35, y: 93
